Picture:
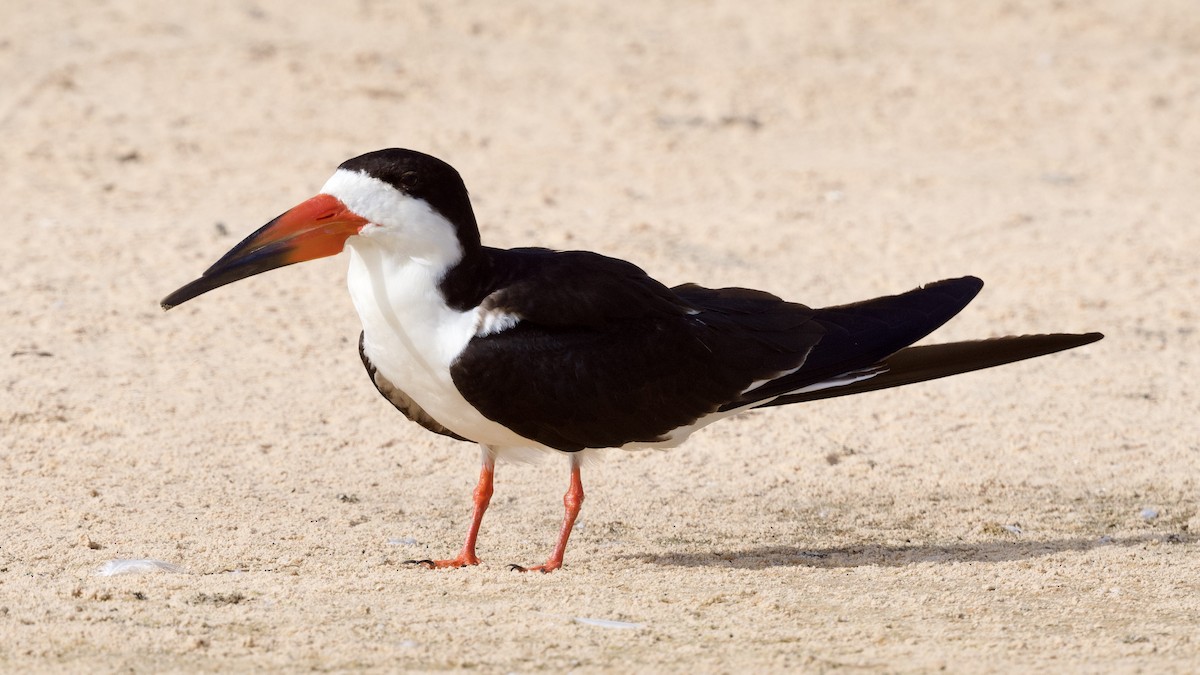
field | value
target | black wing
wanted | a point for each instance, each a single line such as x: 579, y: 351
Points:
x: 859, y: 336
x: 603, y: 355
x: 930, y: 362
x: 577, y: 289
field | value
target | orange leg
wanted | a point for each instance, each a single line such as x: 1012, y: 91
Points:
x: 483, y: 495
x: 572, y: 501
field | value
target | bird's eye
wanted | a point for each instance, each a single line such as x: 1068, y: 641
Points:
x: 409, y: 180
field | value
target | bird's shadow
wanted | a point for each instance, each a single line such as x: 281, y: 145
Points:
x: 894, y: 556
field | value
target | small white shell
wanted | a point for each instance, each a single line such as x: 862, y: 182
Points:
x: 115, y: 567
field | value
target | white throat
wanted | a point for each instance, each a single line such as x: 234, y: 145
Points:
x: 410, y: 334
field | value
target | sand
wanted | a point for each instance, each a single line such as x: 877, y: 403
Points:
x: 1041, y: 515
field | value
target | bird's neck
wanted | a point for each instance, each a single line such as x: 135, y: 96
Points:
x: 465, y: 284
x: 400, y: 302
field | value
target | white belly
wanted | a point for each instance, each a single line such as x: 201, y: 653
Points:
x: 412, y: 337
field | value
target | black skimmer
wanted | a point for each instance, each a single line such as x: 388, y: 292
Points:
x: 569, y: 351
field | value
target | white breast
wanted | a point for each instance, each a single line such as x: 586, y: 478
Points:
x: 412, y: 337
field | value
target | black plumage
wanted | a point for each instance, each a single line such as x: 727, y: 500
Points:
x: 604, y: 356
x: 575, y: 350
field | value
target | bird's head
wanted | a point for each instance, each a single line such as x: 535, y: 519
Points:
x: 416, y: 204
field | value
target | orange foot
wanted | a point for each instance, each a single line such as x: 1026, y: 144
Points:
x: 550, y: 566
x: 462, y: 560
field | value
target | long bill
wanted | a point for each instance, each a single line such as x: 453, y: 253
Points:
x: 314, y: 229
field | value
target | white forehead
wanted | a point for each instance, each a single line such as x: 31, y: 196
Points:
x: 405, y: 225
x: 369, y: 197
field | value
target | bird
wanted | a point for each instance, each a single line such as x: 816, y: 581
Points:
x: 569, y: 352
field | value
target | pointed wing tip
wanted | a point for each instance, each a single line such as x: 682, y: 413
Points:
x: 969, y: 281
x: 966, y: 280
x: 966, y: 286
x: 1050, y: 343
x: 930, y: 362
x: 1062, y: 340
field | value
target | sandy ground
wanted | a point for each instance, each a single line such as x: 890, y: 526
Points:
x: 1040, y: 515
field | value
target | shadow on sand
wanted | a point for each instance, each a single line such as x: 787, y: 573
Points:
x: 897, y: 556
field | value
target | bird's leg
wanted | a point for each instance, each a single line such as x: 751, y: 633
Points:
x: 483, y: 495
x: 572, y: 501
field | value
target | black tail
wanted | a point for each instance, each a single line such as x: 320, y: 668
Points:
x: 918, y: 364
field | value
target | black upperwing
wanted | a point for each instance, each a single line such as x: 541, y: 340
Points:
x: 602, y: 355
x: 930, y: 362
x: 860, y: 335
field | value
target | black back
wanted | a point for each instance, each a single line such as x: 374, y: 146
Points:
x: 604, y: 355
